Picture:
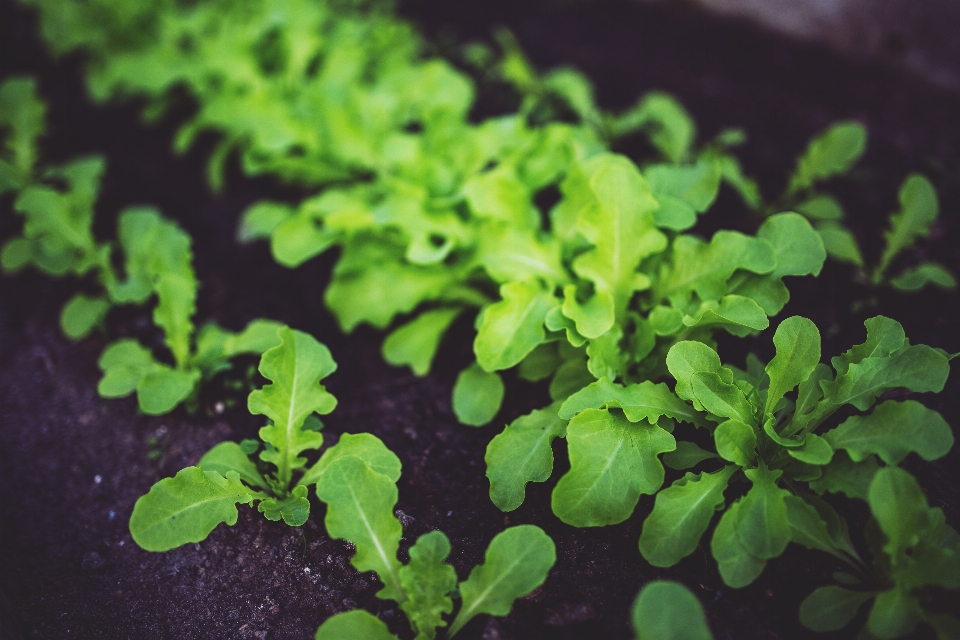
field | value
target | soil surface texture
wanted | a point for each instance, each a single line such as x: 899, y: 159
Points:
x: 73, y: 464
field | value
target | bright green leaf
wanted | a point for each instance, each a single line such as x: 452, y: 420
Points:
x: 477, y: 395
x: 427, y: 582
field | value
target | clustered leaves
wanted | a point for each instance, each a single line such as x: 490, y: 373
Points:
x: 606, y: 294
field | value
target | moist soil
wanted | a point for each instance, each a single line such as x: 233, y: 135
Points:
x: 73, y: 464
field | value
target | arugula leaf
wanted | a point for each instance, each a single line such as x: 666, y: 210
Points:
x: 522, y: 453
x: 186, y: 508
x: 686, y: 456
x: 683, y: 191
x: 230, y: 456
x: 295, y: 368
x: 427, y: 581
x: 738, y: 567
x: 612, y: 462
x: 681, y: 514
x: 840, y: 243
x: 923, y: 274
x: 129, y: 367
x: 666, y: 610
x: 517, y: 562
x: 416, y: 342
x: 477, y: 395
x: 797, y: 341
x: 360, y: 505
x: 645, y: 400
x: 367, y: 447
x: 23, y: 116
x: 918, y: 211
x: 81, y: 314
x: 830, y: 153
x: 763, y: 525
x: 831, y: 608
x: 669, y: 126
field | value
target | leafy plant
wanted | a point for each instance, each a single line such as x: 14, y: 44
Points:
x: 360, y: 504
x: 23, y: 117
x: 914, y: 552
x: 187, y: 507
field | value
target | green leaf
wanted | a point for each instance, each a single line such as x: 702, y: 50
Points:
x: 686, y: 456
x: 592, y: 318
x: 477, y: 395
x: 686, y: 359
x: 516, y: 254
x: 186, y: 508
x: 354, y: 625
x: 522, y: 453
x: 570, y: 376
x: 721, y: 398
x: 799, y: 251
x: 540, y: 363
x: 900, y: 508
x: 737, y: 314
x: 894, y: 614
x: 821, y: 207
x: 843, y: 475
x: 427, y: 582
x: 704, y: 268
x: 892, y: 431
x: 763, y: 526
x: 831, y: 608
x: 618, y: 222
x: 840, y: 243
x: 666, y: 610
x: 737, y: 442
x: 153, y: 246
x: 918, y: 212
x: 162, y: 388
x: 124, y: 363
x: 925, y: 273
x: 683, y: 191
x: 513, y: 327
x: 738, y: 567
x: 415, y: 343
x: 294, y: 508
x: 814, y: 450
x: 605, y: 357
x: 260, y: 219
x: 23, y: 115
x: 809, y: 529
x: 830, y: 153
x: 295, y: 368
x: 612, y: 462
x: 680, y: 516
x: 517, y: 562
x: 797, y: 341
x: 645, y: 400
x: 177, y: 296
x: 360, y: 505
x: 671, y: 129
x: 81, y: 314
x: 367, y: 447
x: 229, y: 456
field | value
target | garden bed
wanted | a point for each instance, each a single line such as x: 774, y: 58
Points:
x: 74, y: 464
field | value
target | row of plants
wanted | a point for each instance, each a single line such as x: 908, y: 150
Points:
x: 580, y: 269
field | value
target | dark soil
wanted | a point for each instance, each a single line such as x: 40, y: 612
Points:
x: 73, y: 465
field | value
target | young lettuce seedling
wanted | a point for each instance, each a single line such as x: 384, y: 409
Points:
x: 360, y: 502
x: 187, y: 507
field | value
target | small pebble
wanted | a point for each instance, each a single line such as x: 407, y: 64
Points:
x: 97, y: 479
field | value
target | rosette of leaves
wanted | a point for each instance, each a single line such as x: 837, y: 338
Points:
x: 188, y: 506
x: 360, y: 500
x: 782, y: 446
x: 914, y: 554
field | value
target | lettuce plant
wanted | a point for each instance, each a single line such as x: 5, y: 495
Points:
x: 187, y: 507
x: 360, y: 503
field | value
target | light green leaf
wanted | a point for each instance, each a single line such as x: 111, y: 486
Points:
x: 925, y: 273
x: 683, y: 191
x: 618, y: 222
x: 522, y: 453
x: 177, y: 297
x: 81, y: 314
x: 162, y: 388
x: 737, y: 442
x: 894, y: 614
x: 808, y: 528
x: 354, y: 625
x: 594, y: 317
x: 738, y: 567
x: 686, y: 359
x: 918, y: 212
x: 671, y: 129
x: 509, y: 253
x: 295, y: 368
x: 686, y: 456
x: 722, y: 399
x: 612, y: 462
x: 892, y: 431
x: 427, y: 582
x: 367, y: 447
x: 153, y: 246
x: 645, y: 400
x: 814, y: 450
x: 477, y: 395
x: 124, y: 363
x: 416, y: 342
x: 797, y: 341
x: 840, y: 243
x: 884, y: 337
x: 737, y: 314
x: 830, y: 153
x: 821, y: 207
x: 360, y: 505
x: 517, y: 562
x: 763, y: 526
x: 23, y: 115
x: 831, y: 608
x: 186, y: 508
x: 499, y: 195
x: 680, y: 516
x: 513, y: 327
x: 667, y: 610
x: 260, y: 220
x: 229, y: 456
x: 605, y: 357
x: 294, y: 508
